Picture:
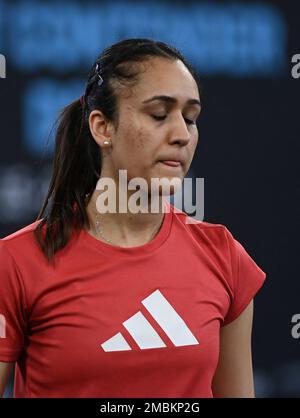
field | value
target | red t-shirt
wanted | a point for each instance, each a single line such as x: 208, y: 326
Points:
x: 108, y: 321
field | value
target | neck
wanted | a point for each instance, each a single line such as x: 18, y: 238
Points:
x: 125, y: 229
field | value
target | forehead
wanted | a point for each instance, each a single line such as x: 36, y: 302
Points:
x: 160, y: 76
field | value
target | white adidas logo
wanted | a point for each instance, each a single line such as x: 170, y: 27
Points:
x: 2, y: 326
x: 143, y: 332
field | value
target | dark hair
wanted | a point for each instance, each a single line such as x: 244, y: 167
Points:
x: 77, y: 157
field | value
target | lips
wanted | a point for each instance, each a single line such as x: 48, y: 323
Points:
x: 171, y: 160
x: 171, y: 163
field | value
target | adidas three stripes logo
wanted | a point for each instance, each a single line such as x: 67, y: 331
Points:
x: 143, y: 332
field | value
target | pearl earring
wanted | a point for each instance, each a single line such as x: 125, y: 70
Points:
x: 106, y: 142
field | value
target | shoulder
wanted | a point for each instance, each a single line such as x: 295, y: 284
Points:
x: 217, y: 241
x: 21, y: 241
x: 207, y: 232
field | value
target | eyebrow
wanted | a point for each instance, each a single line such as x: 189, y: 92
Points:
x: 170, y: 99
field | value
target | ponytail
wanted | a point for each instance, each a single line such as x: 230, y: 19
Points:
x: 76, y: 168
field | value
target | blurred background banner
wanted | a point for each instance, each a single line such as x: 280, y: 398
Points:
x: 248, y: 151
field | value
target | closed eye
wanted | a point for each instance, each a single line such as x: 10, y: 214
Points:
x: 189, y: 122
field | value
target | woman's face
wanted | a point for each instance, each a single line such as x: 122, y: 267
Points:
x: 151, y: 131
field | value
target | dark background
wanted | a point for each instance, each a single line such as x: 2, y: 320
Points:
x: 248, y: 148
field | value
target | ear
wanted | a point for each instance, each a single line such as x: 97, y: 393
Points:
x: 100, y: 128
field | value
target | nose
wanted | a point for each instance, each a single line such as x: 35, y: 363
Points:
x: 180, y: 133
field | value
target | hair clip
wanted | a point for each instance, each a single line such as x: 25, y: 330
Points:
x: 100, y: 81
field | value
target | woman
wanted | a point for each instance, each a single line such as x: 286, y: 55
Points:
x: 123, y: 304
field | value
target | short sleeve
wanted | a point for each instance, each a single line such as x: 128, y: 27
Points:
x: 12, y: 307
x: 246, y: 278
